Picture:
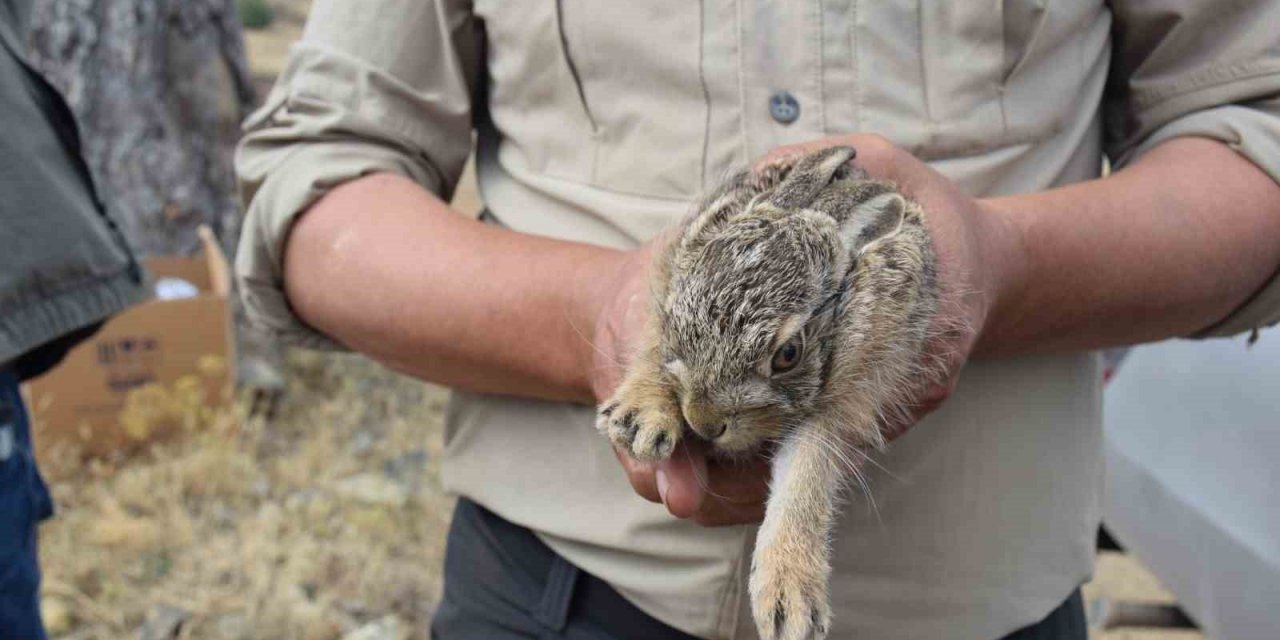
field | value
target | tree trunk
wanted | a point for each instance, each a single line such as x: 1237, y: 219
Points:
x: 159, y: 88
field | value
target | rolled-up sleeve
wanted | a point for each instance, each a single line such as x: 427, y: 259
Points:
x: 372, y: 86
x: 1204, y: 69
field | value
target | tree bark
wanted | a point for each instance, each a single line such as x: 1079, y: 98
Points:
x: 159, y: 88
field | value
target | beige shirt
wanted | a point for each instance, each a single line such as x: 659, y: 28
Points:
x: 601, y: 122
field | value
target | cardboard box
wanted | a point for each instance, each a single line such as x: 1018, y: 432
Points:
x: 154, y: 369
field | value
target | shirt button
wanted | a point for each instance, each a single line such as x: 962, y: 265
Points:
x: 783, y: 107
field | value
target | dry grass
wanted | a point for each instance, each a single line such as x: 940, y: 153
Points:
x: 327, y: 518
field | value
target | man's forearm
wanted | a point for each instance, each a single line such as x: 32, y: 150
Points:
x: 389, y: 270
x: 1165, y: 247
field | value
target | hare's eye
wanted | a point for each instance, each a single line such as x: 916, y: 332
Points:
x: 788, y: 355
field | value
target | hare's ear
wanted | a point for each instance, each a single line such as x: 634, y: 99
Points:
x: 711, y: 213
x: 872, y: 219
x: 809, y: 176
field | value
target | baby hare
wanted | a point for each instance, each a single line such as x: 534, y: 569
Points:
x: 788, y: 318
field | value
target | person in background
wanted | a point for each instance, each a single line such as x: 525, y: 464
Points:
x: 64, y: 269
x: 597, y: 127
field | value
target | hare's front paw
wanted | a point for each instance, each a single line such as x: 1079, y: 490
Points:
x: 641, y: 421
x: 789, y: 598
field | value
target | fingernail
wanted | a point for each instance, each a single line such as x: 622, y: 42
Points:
x: 663, y: 484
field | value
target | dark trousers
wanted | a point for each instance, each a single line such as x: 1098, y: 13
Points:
x: 501, y: 583
x: 24, y: 502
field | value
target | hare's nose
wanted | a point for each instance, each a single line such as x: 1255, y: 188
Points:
x: 706, y: 422
x: 709, y: 430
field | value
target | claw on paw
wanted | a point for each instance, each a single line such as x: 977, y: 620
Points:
x: 647, y: 434
x: 789, y: 605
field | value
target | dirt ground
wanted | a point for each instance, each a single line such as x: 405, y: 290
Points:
x: 325, y: 521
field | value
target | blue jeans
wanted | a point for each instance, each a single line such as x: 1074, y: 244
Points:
x: 24, y: 502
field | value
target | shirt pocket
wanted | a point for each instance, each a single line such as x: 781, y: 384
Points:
x: 962, y: 49
x: 1054, y: 50
x: 533, y: 97
x: 637, y: 67
x: 935, y: 74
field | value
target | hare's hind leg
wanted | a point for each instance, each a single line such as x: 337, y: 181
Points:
x: 642, y: 418
x: 791, y: 564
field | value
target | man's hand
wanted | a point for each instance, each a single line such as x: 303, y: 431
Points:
x: 706, y: 491
x: 623, y: 312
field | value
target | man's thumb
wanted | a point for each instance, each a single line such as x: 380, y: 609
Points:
x: 680, y: 479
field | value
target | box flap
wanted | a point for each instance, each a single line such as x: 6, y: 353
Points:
x: 194, y: 270
x: 216, y: 262
x: 209, y: 271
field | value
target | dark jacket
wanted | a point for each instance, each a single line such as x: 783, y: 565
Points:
x: 64, y: 265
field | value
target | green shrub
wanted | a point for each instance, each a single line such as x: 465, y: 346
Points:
x: 255, y: 14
